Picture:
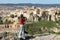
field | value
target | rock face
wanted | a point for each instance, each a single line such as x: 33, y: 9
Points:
x: 47, y: 37
x: 34, y: 37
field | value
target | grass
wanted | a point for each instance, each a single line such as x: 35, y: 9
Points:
x: 58, y: 22
x: 40, y: 27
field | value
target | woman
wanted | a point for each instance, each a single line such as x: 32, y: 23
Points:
x: 21, y: 32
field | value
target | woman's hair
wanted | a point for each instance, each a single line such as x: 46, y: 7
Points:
x: 21, y: 15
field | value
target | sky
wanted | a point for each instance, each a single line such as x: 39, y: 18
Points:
x: 31, y: 1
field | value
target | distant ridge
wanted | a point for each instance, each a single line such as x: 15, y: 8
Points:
x: 30, y: 4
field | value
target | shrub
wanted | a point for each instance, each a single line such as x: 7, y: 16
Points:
x: 40, y: 27
x: 1, y: 22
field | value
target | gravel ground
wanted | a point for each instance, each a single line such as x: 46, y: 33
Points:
x: 34, y: 37
x: 47, y: 37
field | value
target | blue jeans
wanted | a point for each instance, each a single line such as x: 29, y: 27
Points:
x: 21, y: 32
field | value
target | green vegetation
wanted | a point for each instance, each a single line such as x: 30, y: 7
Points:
x: 40, y: 27
x: 1, y: 22
x: 58, y: 22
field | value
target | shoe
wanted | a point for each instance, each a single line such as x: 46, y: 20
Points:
x: 23, y: 38
x: 19, y: 36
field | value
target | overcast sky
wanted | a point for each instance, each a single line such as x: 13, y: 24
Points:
x: 32, y: 1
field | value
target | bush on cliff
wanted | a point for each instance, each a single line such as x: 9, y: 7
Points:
x: 40, y: 27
